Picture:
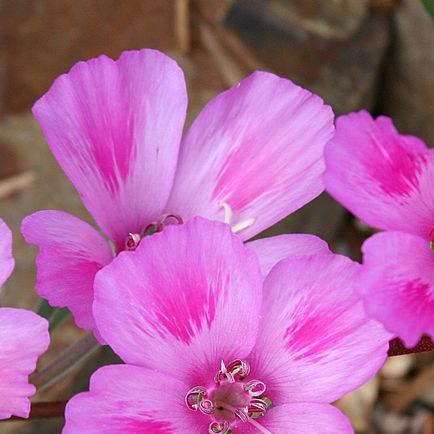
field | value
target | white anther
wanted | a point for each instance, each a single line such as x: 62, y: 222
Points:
x: 229, y: 215
x: 228, y: 212
x: 243, y: 225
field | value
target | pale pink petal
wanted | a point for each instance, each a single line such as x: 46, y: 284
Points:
x: 128, y: 399
x: 314, y: 332
x: 7, y: 262
x: 23, y: 338
x: 384, y: 178
x: 115, y: 128
x: 70, y: 254
x: 186, y: 299
x: 301, y: 418
x: 397, y: 284
x: 257, y: 147
x: 271, y: 250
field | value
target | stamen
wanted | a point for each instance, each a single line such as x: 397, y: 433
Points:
x: 194, y: 397
x: 231, y: 399
x: 238, y: 368
x: 206, y: 406
x: 132, y: 241
x: 152, y: 228
x: 255, y: 388
x: 171, y: 219
x: 243, y: 225
x: 229, y: 215
x: 228, y: 212
x: 249, y: 420
x: 431, y: 239
x: 219, y: 428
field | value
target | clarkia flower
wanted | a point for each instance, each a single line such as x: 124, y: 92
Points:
x: 387, y: 180
x: 23, y: 338
x: 210, y: 347
x: 253, y: 155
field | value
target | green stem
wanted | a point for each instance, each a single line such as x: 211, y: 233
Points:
x: 73, y: 355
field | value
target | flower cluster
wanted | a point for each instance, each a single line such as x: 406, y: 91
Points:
x: 219, y: 334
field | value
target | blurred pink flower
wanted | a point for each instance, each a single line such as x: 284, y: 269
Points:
x: 210, y: 347
x: 387, y: 180
x: 253, y: 155
x: 23, y: 338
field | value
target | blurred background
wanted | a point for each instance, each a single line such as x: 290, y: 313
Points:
x: 375, y: 54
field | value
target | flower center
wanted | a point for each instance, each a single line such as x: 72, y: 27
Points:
x: 229, y: 216
x: 231, y: 400
x: 133, y: 239
x: 431, y: 239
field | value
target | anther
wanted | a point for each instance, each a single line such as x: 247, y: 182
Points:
x: 229, y: 215
x: 228, y: 212
x: 206, y: 406
x: 171, y: 219
x: 255, y: 388
x: 194, y: 397
x: 243, y: 225
x: 219, y: 428
x: 132, y: 241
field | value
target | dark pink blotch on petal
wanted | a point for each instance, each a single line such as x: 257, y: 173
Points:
x: 115, y: 128
x: 257, y: 147
x: 314, y: 330
x: 397, y: 284
x: 382, y: 177
x: 186, y: 298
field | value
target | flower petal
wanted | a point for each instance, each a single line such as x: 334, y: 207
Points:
x: 70, y: 254
x: 23, y: 338
x: 129, y: 399
x: 258, y: 148
x: 7, y: 262
x: 302, y: 418
x: 314, y: 331
x: 186, y: 299
x: 397, y: 284
x: 271, y: 250
x: 115, y: 128
x: 382, y: 177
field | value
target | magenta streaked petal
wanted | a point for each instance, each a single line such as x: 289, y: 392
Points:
x: 301, y: 418
x: 397, y: 284
x: 7, y: 262
x: 129, y: 399
x: 23, y: 338
x: 382, y: 177
x: 70, y: 254
x: 185, y: 299
x: 257, y: 147
x: 115, y: 128
x: 314, y: 331
x: 271, y: 250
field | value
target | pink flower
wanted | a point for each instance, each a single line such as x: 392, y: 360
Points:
x: 210, y: 347
x: 387, y: 180
x: 253, y: 156
x: 23, y: 338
